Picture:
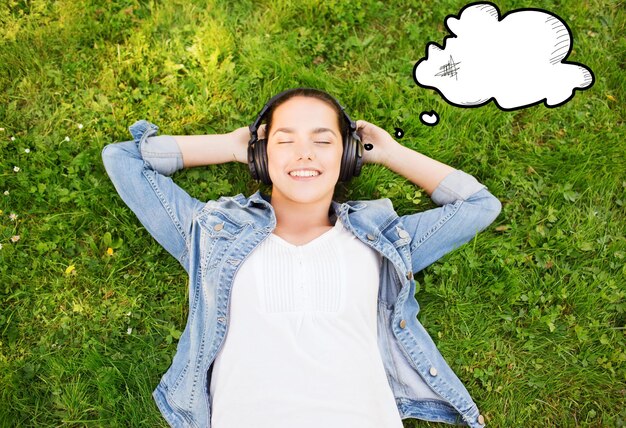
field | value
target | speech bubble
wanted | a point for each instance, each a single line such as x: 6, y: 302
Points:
x: 516, y: 61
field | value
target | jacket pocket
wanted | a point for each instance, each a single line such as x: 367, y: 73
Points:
x: 219, y: 225
x: 219, y: 233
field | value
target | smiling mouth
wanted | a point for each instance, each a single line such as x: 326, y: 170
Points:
x: 305, y: 174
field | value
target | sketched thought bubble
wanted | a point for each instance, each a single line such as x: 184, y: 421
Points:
x: 517, y: 61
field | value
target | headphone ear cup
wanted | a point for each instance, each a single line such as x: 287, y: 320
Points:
x: 260, y: 157
x: 252, y: 160
x: 346, y: 159
x: 352, y: 160
x: 358, y: 154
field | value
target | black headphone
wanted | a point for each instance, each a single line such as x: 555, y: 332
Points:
x: 351, y: 160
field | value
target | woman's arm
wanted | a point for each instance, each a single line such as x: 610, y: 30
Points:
x: 138, y: 170
x: 421, y: 170
x: 466, y: 206
x: 201, y: 150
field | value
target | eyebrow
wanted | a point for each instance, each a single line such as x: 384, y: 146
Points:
x: 315, y: 131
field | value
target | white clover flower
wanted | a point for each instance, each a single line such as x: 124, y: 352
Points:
x: 0, y: 246
x: 15, y: 238
x: 129, y: 331
x: 12, y: 138
x: 13, y: 216
x: 16, y: 169
x: 6, y: 193
x: 1, y: 129
x: 67, y: 138
x: 26, y: 150
x: 80, y: 126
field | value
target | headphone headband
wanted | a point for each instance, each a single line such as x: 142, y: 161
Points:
x: 255, y: 125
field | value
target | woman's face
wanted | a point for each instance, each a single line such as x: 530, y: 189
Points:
x: 305, y: 135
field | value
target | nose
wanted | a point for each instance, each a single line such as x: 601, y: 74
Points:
x: 305, y: 149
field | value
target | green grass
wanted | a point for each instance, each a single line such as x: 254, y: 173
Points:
x: 530, y: 314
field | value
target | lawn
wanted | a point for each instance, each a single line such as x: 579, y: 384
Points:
x: 530, y: 314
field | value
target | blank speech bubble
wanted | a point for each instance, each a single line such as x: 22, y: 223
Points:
x: 516, y: 61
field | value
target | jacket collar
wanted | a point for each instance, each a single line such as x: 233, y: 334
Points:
x: 352, y: 213
x: 366, y: 223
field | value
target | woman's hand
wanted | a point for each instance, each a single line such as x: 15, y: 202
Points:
x: 240, y: 139
x: 380, y: 139
x: 260, y: 132
x: 420, y: 169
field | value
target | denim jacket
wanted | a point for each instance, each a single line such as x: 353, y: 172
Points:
x: 212, y: 239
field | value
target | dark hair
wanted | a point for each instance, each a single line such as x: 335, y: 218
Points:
x: 344, y: 126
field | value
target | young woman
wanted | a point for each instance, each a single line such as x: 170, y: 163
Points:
x: 302, y: 309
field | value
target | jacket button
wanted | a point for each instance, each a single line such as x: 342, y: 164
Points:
x: 481, y: 419
x: 433, y: 371
x: 402, y: 324
x: 403, y: 234
x: 409, y: 275
x: 370, y: 237
x: 218, y: 227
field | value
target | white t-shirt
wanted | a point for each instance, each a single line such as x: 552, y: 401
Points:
x: 301, y: 347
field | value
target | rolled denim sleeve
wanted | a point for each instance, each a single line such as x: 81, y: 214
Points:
x: 162, y: 154
x: 456, y: 185
x: 162, y: 207
x: 467, y: 208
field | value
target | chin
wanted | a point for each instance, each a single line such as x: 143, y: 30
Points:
x: 303, y: 195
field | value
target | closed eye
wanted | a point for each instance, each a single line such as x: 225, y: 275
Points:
x: 320, y: 142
